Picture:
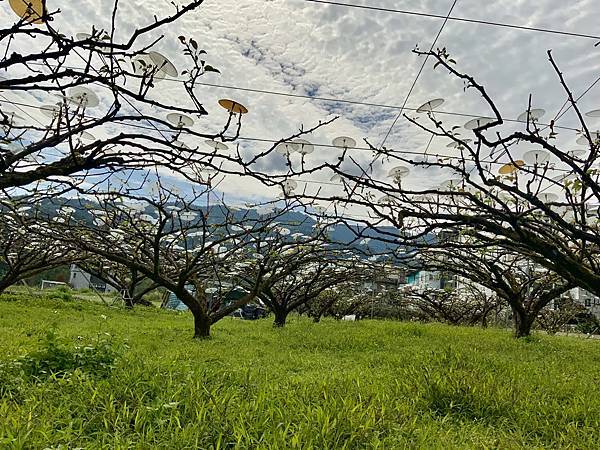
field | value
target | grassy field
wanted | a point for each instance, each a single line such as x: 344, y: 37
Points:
x: 137, y: 380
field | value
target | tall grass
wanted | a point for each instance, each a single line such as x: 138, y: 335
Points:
x: 323, y: 386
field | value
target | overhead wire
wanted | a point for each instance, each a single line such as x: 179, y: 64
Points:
x: 401, y: 108
x: 268, y: 140
x: 29, y: 115
x: 414, y: 83
x: 561, y: 113
x: 458, y: 19
x: 306, y: 181
x: 335, y: 100
x: 446, y: 18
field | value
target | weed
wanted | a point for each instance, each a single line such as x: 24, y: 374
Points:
x: 55, y: 358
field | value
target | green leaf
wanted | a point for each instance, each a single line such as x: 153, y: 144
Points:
x: 208, y: 68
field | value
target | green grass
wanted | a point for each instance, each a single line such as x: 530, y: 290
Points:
x: 86, y: 295
x: 322, y: 386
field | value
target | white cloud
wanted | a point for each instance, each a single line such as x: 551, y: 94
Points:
x: 296, y: 47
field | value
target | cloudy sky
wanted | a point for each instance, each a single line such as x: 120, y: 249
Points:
x: 340, y: 52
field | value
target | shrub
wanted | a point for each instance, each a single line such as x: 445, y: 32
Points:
x: 55, y: 358
x: 10, y: 297
x: 588, y: 324
x: 62, y: 295
x: 553, y: 320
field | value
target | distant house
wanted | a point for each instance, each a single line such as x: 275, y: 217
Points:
x: 80, y: 279
x: 437, y: 280
x: 587, y: 300
x: 388, y: 278
x: 425, y: 279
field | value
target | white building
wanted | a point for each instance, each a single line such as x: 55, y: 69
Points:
x: 426, y: 280
x: 587, y: 300
x: 80, y: 279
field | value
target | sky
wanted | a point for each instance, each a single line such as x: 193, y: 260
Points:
x: 339, y: 52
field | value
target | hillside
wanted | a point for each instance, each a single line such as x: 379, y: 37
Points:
x: 296, y: 221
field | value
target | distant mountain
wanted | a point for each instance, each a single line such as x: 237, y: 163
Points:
x: 369, y: 241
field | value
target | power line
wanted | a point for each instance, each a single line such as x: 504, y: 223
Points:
x: 335, y: 100
x: 562, y: 113
x: 27, y: 114
x: 241, y: 138
x: 271, y: 141
x: 458, y: 19
x: 353, y: 102
x: 414, y: 83
x: 274, y: 141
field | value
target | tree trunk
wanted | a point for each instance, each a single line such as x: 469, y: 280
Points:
x: 197, y: 306
x: 6, y: 283
x: 202, y: 320
x: 201, y: 326
x: 523, y: 323
x: 280, y: 318
x: 484, y: 321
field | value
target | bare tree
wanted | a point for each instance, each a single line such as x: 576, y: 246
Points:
x: 328, y: 302
x: 303, y: 271
x: 470, y: 305
x: 104, y: 126
x: 129, y: 281
x: 518, y: 282
x: 564, y: 310
x: 542, y: 203
x: 197, y: 252
x: 102, y: 111
x: 24, y: 252
x: 372, y: 288
x: 518, y: 184
x: 351, y: 302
